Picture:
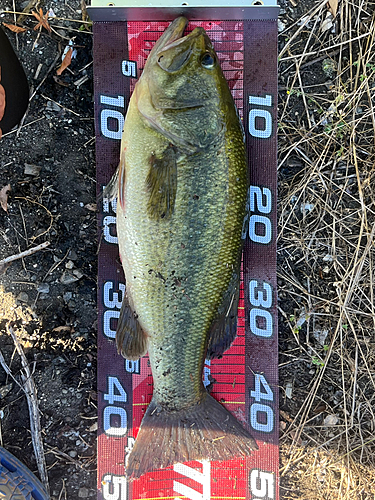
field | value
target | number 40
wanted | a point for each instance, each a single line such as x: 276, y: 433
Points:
x: 259, y: 408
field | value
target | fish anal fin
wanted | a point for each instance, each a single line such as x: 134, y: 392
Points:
x: 161, y: 184
x: 205, y: 431
x: 131, y: 341
x: 224, y: 328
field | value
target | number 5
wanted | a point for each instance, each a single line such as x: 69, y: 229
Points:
x: 266, y: 483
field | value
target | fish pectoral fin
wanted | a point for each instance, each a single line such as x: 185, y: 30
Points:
x: 161, y: 184
x: 224, y: 327
x: 131, y: 340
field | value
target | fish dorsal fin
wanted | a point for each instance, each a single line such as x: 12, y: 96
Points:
x: 161, y: 184
x: 131, y: 340
x: 224, y: 328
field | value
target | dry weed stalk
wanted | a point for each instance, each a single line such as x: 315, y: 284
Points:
x: 326, y: 254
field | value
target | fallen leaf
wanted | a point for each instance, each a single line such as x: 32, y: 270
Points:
x: 2, y: 99
x: 91, y: 206
x: 60, y: 81
x: 294, y: 436
x: 62, y: 329
x: 43, y: 20
x: 4, y: 197
x: 84, y: 11
x: 4, y: 267
x: 13, y: 27
x: 282, y: 425
x: 66, y: 61
x: 319, y: 408
x: 286, y: 416
x: 332, y: 6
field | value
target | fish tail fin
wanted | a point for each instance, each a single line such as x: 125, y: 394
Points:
x: 205, y: 431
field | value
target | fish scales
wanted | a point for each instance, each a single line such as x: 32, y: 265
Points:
x: 182, y: 194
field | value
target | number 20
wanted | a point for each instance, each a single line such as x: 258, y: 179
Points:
x: 260, y: 200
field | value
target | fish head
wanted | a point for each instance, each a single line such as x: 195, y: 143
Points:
x: 183, y: 71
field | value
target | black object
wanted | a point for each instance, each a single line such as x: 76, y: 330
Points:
x: 17, y: 482
x: 14, y: 81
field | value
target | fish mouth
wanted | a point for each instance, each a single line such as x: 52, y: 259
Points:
x: 173, y: 33
x: 172, y: 37
x: 175, y: 49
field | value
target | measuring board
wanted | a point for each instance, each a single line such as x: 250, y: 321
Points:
x: 245, y: 378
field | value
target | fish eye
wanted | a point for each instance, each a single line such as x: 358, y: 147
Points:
x: 207, y: 61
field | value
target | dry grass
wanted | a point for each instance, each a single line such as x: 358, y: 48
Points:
x: 326, y: 250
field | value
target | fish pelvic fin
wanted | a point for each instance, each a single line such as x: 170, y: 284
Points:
x: 205, y: 431
x: 131, y: 340
x: 162, y: 184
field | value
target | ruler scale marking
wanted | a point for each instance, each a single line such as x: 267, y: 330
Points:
x: 126, y: 386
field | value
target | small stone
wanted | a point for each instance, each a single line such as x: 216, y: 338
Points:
x: 72, y: 453
x: 93, y: 427
x: 77, y: 273
x: 67, y: 296
x: 22, y: 297
x: 83, y: 492
x: 327, y: 23
x: 69, y: 264
x: 43, y: 288
x: 72, y: 255
x: 32, y: 169
x: 67, y: 278
x: 53, y: 106
x: 280, y: 26
x: 330, y: 420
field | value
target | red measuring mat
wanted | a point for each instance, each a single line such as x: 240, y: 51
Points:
x: 244, y: 380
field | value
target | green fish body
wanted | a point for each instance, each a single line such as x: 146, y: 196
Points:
x: 182, y: 186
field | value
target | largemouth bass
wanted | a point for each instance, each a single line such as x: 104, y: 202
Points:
x: 181, y: 187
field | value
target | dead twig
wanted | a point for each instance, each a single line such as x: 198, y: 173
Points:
x: 26, y: 253
x: 32, y: 401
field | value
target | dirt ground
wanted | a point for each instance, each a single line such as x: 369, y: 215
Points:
x: 325, y: 251
x: 51, y: 295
